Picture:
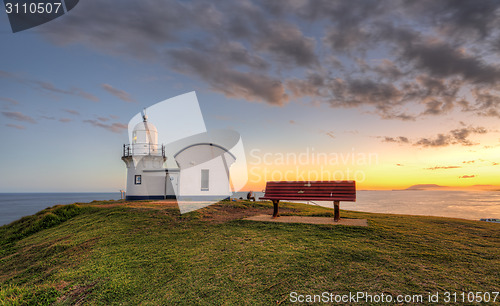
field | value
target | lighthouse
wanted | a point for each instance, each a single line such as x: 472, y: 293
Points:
x: 144, y: 158
x: 178, y: 158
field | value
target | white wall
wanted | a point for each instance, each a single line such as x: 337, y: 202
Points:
x: 193, y: 159
x: 153, y: 183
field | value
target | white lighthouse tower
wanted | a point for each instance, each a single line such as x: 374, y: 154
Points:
x: 146, y: 176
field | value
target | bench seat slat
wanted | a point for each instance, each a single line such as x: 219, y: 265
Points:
x: 309, y: 199
x: 309, y: 191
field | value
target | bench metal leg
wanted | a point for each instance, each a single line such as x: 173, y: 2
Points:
x: 336, y: 213
x: 275, y: 204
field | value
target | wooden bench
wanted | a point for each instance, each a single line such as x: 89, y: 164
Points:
x: 335, y: 191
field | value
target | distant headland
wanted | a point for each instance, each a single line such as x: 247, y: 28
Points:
x: 440, y: 187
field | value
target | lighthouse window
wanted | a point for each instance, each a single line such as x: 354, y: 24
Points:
x: 204, y: 179
x: 138, y: 179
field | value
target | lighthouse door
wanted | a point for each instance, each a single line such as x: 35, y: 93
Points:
x: 171, y: 185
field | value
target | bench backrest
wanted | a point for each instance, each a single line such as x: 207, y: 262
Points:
x: 313, y: 191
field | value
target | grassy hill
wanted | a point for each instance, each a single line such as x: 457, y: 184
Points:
x: 128, y: 253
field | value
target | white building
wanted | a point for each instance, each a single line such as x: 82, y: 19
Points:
x: 202, y: 173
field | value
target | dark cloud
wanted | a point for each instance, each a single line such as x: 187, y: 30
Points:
x: 442, y: 60
x: 399, y: 139
x: 137, y: 29
x: 439, y: 141
x: 114, y: 127
x: 394, y: 54
x: 18, y: 116
x: 350, y: 22
x: 315, y: 85
x: 388, y: 69
x: 458, y: 136
x: 288, y: 44
x: 345, y: 40
x: 458, y: 17
x: 120, y: 94
x: 467, y: 176
x: 350, y: 93
x: 487, y: 103
x: 443, y: 167
x: 237, y: 54
x: 251, y: 86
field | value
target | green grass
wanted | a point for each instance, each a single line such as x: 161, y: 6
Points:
x: 100, y: 253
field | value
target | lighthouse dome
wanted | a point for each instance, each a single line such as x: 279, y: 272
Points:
x: 145, y: 138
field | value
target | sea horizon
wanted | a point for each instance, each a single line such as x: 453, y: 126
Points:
x: 464, y: 204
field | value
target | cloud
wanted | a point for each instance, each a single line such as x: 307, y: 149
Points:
x: 120, y: 94
x: 400, y: 139
x: 353, y: 132
x: 469, y: 18
x: 399, y: 165
x: 65, y: 120
x: 11, y: 101
x: 18, y: 116
x: 440, y: 59
x: 73, y: 91
x: 154, y: 23
x: 16, y: 126
x: 114, y: 127
x: 315, y: 85
x: 288, y: 45
x: 468, y: 161
x: 433, y: 55
x: 458, y: 136
x: 71, y: 111
x: 487, y: 103
x: 330, y: 134
x: 442, y: 167
x: 48, y: 87
x: 439, y: 141
x: 251, y: 86
x: 467, y: 176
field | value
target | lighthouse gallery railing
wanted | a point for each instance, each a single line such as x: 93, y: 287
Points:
x: 143, y: 149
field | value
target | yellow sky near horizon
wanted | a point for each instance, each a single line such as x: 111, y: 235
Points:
x: 397, y: 167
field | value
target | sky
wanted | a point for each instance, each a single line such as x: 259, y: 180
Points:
x: 389, y: 93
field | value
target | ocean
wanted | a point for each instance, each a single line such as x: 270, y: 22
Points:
x: 13, y: 206
x: 472, y: 205
x: 455, y: 204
